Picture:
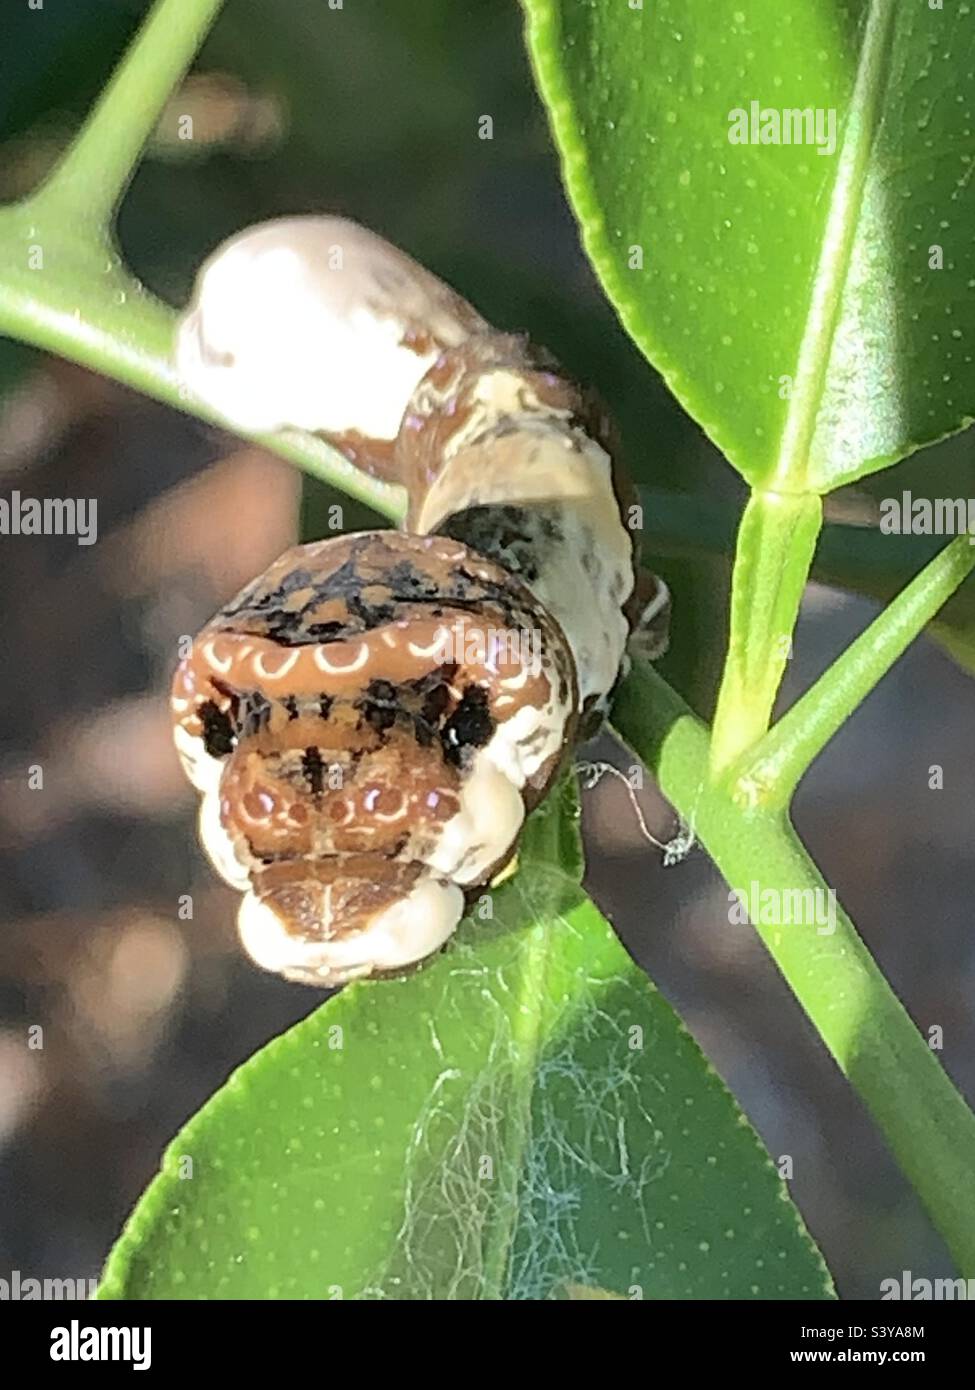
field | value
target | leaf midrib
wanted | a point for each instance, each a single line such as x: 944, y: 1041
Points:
x: 791, y: 472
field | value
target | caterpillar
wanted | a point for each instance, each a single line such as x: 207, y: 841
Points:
x: 369, y: 722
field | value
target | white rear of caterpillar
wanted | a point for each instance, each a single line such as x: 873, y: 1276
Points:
x: 370, y: 721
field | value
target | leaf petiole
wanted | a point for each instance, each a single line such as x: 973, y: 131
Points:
x: 773, y: 769
x: 776, y: 542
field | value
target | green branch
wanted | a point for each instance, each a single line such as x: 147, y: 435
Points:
x: 79, y: 304
x: 63, y: 287
x: 927, y: 1125
x: 94, y: 172
x: 772, y: 771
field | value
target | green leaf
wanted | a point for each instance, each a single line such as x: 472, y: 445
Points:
x: 492, y: 1127
x: 772, y: 264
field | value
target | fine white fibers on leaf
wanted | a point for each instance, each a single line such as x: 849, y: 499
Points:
x: 315, y: 323
x: 399, y: 935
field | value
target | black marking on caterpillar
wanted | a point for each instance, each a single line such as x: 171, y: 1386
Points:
x: 219, y: 735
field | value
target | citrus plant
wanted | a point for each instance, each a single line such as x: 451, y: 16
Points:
x: 527, y: 1117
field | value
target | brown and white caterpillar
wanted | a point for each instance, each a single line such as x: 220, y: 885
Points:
x: 370, y: 721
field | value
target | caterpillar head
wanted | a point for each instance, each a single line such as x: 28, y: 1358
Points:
x: 368, y: 724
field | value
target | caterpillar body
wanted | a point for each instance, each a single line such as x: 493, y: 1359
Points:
x: 370, y: 720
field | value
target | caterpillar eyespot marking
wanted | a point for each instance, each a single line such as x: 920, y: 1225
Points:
x: 370, y: 721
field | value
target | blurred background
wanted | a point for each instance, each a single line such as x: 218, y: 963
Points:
x: 372, y: 111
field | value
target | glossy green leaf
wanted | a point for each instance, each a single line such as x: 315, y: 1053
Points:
x: 790, y: 295
x: 523, y: 1116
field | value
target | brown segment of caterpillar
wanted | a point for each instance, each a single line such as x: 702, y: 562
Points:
x: 369, y: 721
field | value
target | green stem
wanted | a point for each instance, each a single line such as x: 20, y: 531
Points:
x: 928, y: 1127
x: 84, y: 306
x: 63, y: 287
x: 772, y: 771
x: 93, y: 174
x: 776, y: 543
